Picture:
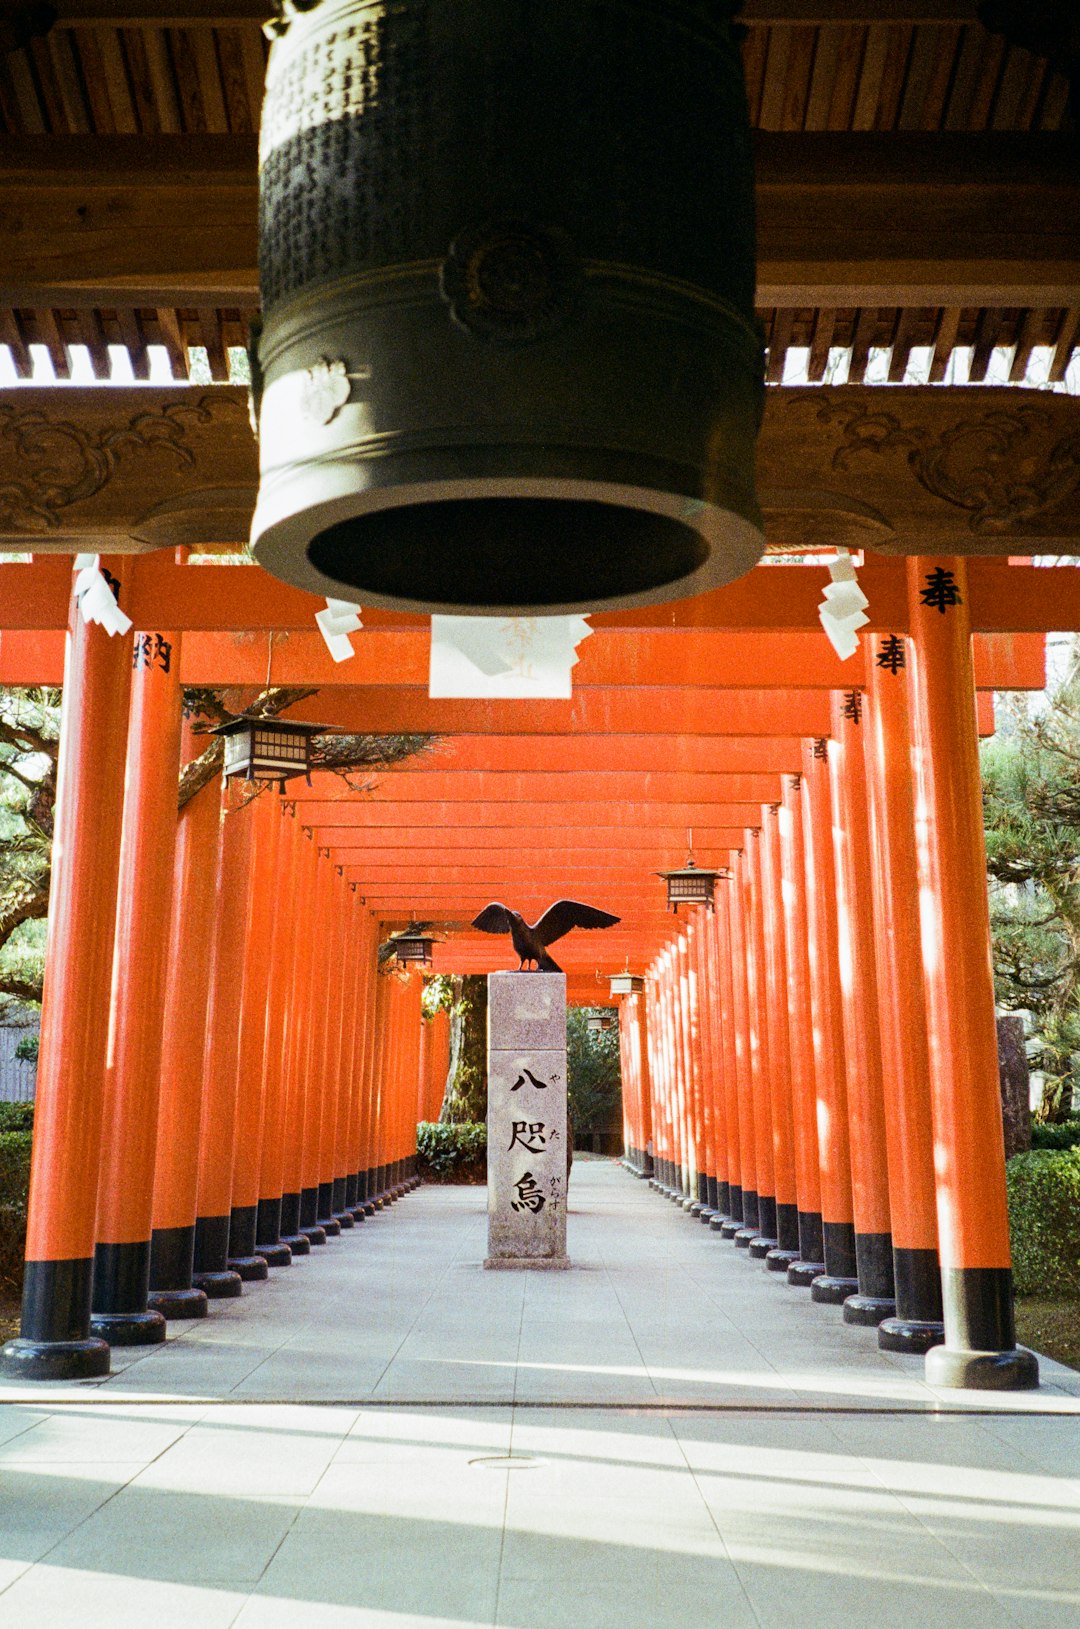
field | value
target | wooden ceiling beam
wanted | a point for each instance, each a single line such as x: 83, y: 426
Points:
x: 844, y: 219
x: 227, y: 13
x: 160, y: 13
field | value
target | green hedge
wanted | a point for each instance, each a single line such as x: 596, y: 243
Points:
x: 452, y: 1153
x: 14, y: 1187
x: 16, y: 1117
x: 1064, y: 1135
x: 1044, y: 1222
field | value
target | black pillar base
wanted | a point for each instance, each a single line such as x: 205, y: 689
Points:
x: 369, y: 1207
x: 874, y: 1269
x: 314, y: 1235
x: 172, y: 1254
x: 243, y: 1226
x: 778, y: 1260
x: 344, y: 1219
x: 298, y: 1244
x: 223, y: 1286
x: 211, y: 1245
x: 326, y: 1206
x: 54, y: 1342
x: 309, y: 1209
x: 330, y: 1226
x: 838, y: 1241
x: 980, y: 1350
x: 728, y: 1229
x: 118, y: 1308
x: 128, y: 1328
x: 358, y: 1214
x: 811, y: 1241
x: 54, y: 1360
x: 760, y: 1246
x: 252, y: 1269
x: 267, y: 1222
x: 909, y: 1335
x: 275, y: 1255
x: 787, y: 1228
x: 831, y: 1291
x: 803, y: 1273
x: 1017, y: 1370
x: 869, y: 1310
x: 178, y: 1303
x: 743, y: 1236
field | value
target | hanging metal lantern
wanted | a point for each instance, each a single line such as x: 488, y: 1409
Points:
x: 268, y: 749
x: 627, y: 984
x: 412, y: 948
x: 691, y: 884
x: 596, y: 1023
x: 507, y: 359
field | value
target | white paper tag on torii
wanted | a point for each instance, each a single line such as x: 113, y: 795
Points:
x: 504, y: 658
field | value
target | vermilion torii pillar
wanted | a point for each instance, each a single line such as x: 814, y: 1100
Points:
x: 745, y: 1220
x: 55, y: 1341
x: 187, y: 999
x: 834, y: 1150
x: 905, y: 1060
x: 282, y: 929
x: 143, y: 917
x: 254, y: 973
x: 764, y: 1239
x: 232, y: 896
x: 973, y: 1225
x: 874, y: 1299
x: 729, y: 1198
x: 786, y: 1250
x: 811, y: 1260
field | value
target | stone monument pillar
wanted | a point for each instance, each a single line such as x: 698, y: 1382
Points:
x: 527, y: 1152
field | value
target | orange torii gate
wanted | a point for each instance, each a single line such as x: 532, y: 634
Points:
x: 303, y: 1120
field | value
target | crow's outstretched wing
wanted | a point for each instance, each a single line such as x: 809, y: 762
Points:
x: 493, y: 919
x: 566, y: 914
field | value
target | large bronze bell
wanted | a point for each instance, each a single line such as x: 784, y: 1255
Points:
x: 508, y: 361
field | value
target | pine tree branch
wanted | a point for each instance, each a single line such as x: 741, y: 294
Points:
x: 28, y: 740
x: 20, y: 989
x: 31, y: 906
x: 7, y: 768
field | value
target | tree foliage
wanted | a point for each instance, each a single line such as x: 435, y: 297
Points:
x: 594, y: 1076
x: 29, y: 744
x: 1031, y: 799
x: 29, y: 748
x: 465, y: 999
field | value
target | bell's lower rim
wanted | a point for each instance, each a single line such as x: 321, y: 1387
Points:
x: 705, y: 544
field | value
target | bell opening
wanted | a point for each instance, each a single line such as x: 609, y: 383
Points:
x: 497, y: 552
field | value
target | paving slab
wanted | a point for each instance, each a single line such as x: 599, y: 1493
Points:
x: 387, y: 1437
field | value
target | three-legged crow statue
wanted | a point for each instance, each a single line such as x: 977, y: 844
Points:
x: 531, y: 942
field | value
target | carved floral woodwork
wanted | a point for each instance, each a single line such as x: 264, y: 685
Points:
x: 124, y: 470
x: 909, y: 470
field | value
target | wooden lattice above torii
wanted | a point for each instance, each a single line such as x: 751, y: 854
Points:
x: 914, y: 188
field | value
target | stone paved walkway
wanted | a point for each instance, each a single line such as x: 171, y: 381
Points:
x: 386, y: 1437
